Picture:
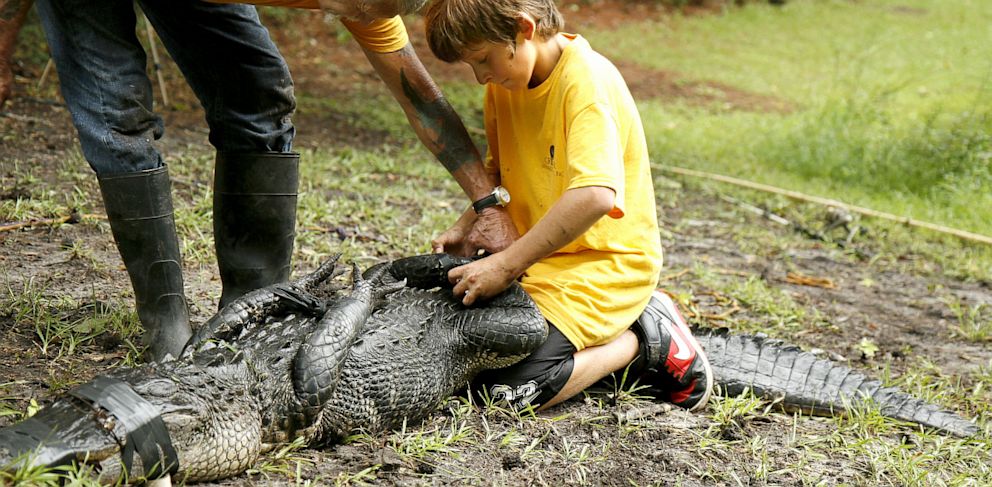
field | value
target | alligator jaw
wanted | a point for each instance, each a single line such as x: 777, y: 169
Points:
x: 63, y: 433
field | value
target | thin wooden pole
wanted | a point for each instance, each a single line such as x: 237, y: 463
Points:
x: 71, y: 218
x: 44, y: 73
x: 155, y: 59
x: 962, y: 234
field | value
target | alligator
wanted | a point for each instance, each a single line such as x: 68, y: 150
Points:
x: 307, y: 360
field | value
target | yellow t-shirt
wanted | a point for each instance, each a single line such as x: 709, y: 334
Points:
x: 580, y: 128
x: 381, y: 35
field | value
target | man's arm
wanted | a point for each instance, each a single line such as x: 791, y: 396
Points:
x: 443, y: 133
x: 12, y: 15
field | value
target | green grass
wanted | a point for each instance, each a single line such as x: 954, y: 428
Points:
x: 62, y: 325
x: 892, y: 101
x: 412, y: 200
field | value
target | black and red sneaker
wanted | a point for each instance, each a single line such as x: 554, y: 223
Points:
x: 671, y: 363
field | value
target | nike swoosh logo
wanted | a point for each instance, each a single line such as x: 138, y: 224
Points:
x: 684, y: 352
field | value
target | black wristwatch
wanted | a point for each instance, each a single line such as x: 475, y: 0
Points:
x: 500, y: 196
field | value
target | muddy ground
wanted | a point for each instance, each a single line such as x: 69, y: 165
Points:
x: 898, y: 303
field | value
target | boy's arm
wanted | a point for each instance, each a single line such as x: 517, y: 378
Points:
x: 574, y: 212
x: 442, y: 132
x: 12, y: 15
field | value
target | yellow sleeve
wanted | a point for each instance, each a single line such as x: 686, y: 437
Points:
x: 595, y: 156
x: 381, y: 36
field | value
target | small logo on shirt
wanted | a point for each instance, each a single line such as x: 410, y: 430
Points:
x: 549, y: 162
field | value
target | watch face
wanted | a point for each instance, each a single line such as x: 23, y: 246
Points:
x: 502, y: 195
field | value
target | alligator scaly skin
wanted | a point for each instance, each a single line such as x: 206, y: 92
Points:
x: 802, y: 381
x: 280, y: 363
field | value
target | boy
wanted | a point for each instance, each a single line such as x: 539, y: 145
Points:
x: 565, y: 140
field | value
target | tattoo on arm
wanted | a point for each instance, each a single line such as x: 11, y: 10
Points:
x: 454, y: 147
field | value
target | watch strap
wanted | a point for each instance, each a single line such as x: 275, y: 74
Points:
x: 485, y: 202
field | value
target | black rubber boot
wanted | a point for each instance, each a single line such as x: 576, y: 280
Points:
x: 139, y: 207
x: 254, y: 219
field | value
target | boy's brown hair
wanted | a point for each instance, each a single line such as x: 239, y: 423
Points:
x: 453, y: 26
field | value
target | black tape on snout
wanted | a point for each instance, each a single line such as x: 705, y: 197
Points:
x: 34, y: 437
x: 146, y: 432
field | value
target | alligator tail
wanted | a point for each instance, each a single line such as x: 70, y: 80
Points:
x: 802, y: 381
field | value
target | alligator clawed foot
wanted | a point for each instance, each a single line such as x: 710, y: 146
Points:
x: 387, y: 289
x: 300, y: 299
x: 326, y: 272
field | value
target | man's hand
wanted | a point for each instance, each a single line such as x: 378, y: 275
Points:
x: 453, y: 241
x: 493, y: 231
x: 483, y: 278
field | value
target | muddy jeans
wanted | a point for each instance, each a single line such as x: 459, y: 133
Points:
x: 223, y: 51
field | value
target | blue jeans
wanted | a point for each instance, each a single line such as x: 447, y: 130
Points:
x: 223, y: 51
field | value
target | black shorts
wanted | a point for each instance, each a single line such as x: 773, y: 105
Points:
x: 534, y: 380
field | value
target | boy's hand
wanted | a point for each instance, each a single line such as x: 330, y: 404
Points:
x: 493, y: 231
x: 482, y: 279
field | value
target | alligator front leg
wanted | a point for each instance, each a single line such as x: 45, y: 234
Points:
x: 256, y: 305
x: 509, y: 325
x: 426, y: 271
x: 318, y: 362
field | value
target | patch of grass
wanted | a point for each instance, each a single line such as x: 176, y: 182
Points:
x: 8, y: 409
x: 362, y: 477
x: 892, y: 101
x: 28, y: 475
x: 578, y: 458
x: 284, y: 462
x: 61, y: 324
x: 770, y: 310
x: 734, y: 411
x: 371, y: 204
x: 974, y: 322
x: 915, y: 251
x: 38, y: 200
x: 979, y: 396
x: 417, y: 444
